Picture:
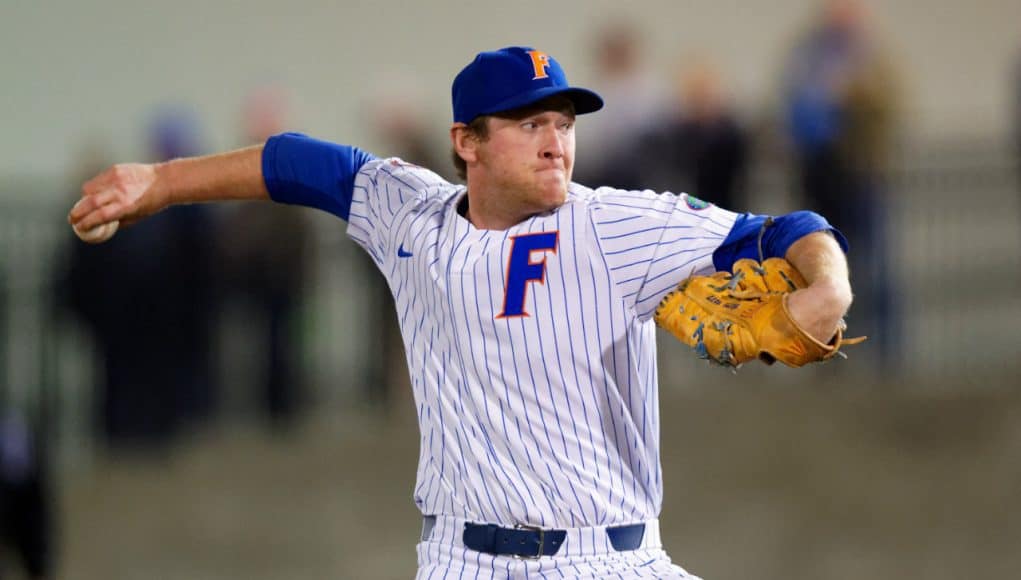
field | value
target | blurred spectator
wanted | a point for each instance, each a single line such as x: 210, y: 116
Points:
x: 702, y: 149
x: 174, y: 132
x: 26, y: 502
x: 634, y: 100
x: 264, y: 256
x: 145, y: 297
x: 402, y: 128
x: 1017, y: 116
x: 841, y: 106
x: 4, y: 340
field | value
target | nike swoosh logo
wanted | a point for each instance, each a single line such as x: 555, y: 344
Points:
x: 402, y: 253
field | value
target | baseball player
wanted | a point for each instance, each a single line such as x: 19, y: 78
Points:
x: 526, y: 304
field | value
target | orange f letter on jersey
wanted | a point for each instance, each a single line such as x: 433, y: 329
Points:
x: 540, y: 60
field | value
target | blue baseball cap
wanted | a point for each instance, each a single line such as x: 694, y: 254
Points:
x: 514, y: 77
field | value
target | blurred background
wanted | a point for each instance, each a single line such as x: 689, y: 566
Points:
x: 220, y: 392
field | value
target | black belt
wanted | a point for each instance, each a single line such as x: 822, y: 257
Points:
x: 532, y: 542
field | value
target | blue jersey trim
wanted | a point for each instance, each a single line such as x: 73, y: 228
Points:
x: 300, y: 170
x: 743, y: 240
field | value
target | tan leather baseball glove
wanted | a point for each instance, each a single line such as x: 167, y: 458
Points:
x: 734, y: 318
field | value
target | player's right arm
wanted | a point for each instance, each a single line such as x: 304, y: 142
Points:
x: 290, y: 168
x: 129, y: 192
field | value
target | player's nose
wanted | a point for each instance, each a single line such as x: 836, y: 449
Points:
x: 553, y: 146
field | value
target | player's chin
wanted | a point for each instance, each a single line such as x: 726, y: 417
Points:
x: 553, y: 197
x: 554, y: 190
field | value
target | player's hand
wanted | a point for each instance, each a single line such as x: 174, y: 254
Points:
x: 819, y: 308
x: 759, y: 311
x: 126, y: 192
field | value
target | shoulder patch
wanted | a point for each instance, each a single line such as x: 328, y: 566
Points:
x: 397, y: 162
x: 695, y: 203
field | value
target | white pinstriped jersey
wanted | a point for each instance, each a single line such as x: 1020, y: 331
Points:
x: 532, y: 350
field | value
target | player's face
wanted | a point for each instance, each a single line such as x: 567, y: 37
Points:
x: 528, y: 160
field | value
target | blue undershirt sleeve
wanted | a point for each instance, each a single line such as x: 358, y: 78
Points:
x: 742, y: 242
x: 300, y: 170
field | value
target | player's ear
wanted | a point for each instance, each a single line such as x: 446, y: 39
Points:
x: 464, y: 141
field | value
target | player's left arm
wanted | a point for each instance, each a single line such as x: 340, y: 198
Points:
x: 814, y: 247
x: 820, y: 307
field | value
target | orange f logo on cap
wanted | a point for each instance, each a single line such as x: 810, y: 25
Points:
x: 540, y: 60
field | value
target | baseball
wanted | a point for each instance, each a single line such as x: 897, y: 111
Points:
x: 100, y: 233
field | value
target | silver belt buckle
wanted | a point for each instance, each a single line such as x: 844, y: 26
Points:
x: 542, y: 541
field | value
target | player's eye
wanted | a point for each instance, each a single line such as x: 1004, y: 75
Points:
x: 529, y: 125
